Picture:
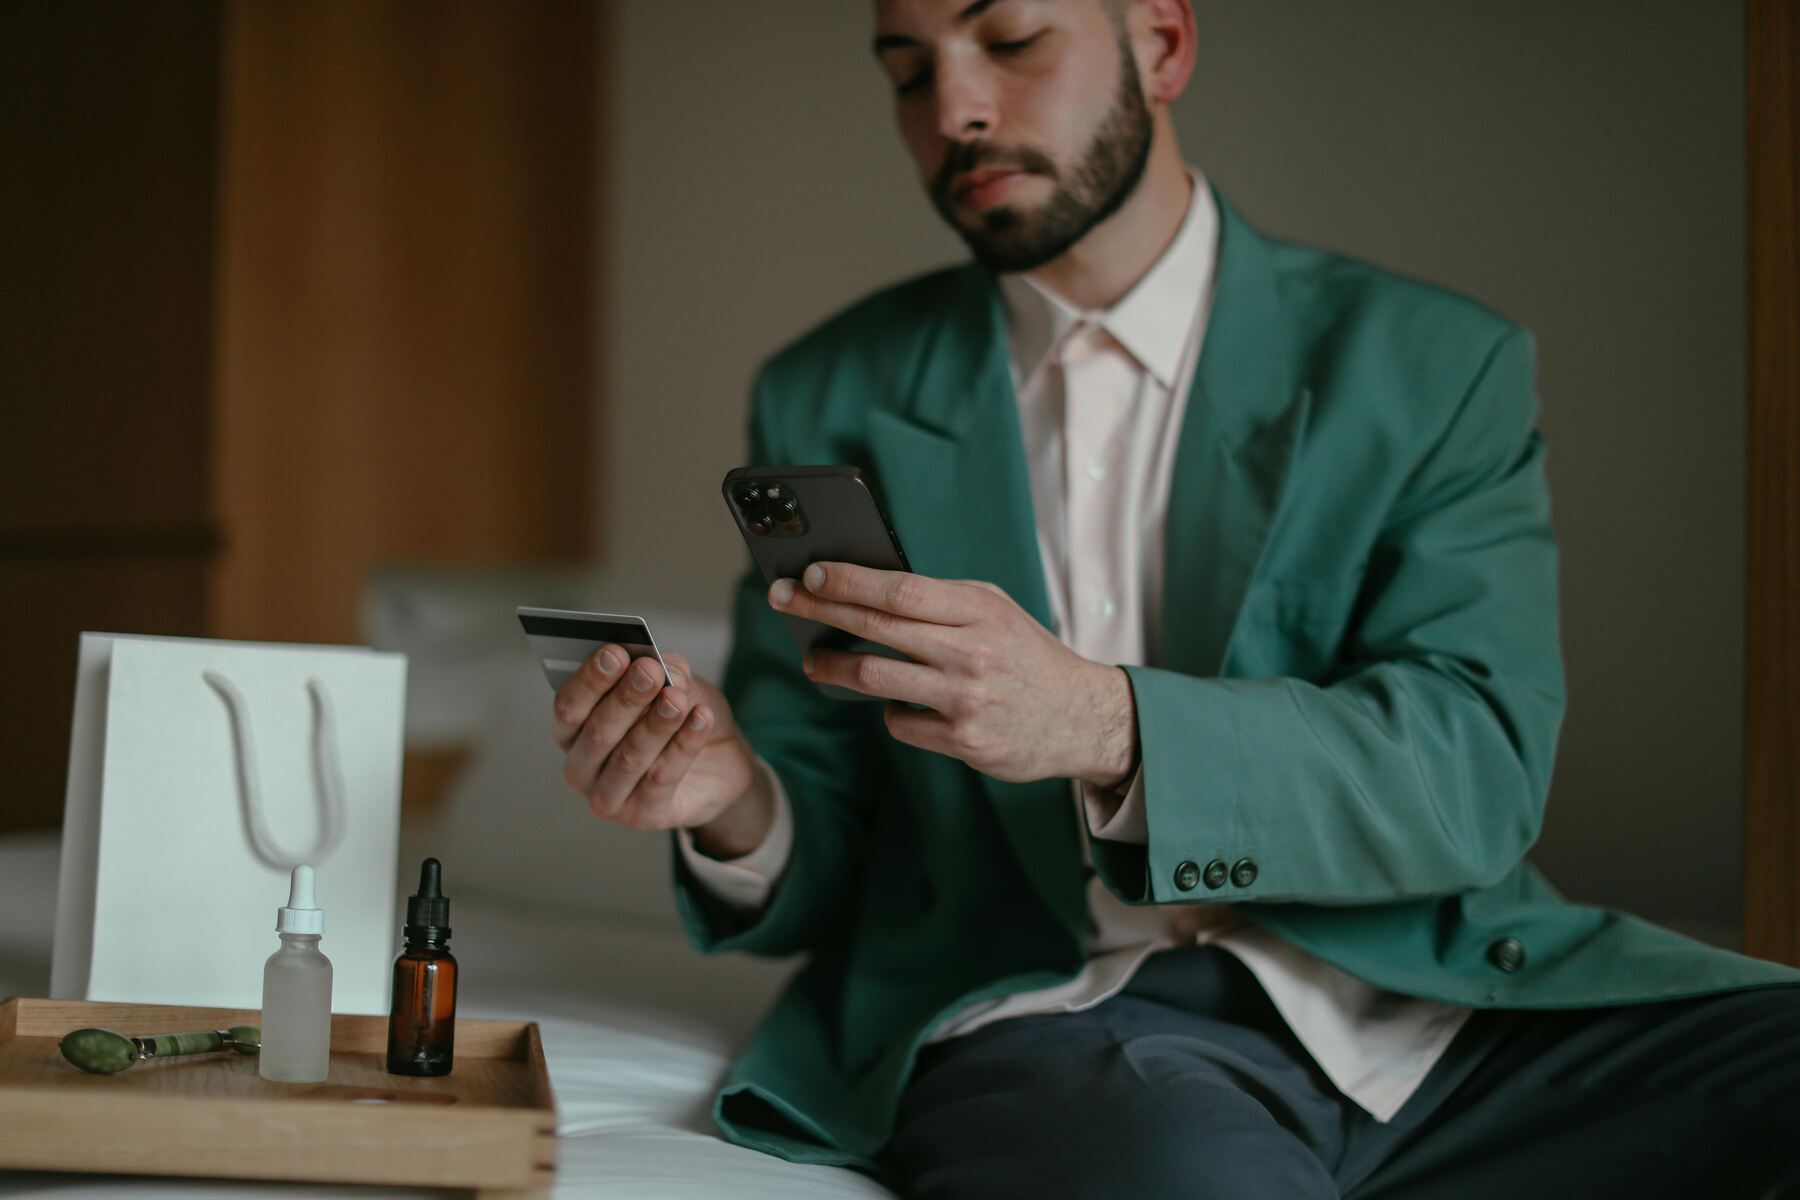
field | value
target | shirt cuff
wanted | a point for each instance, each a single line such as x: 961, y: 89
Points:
x: 744, y: 883
x: 1116, y: 820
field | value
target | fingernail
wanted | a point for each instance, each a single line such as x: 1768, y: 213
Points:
x: 641, y: 681
x: 815, y: 577
x: 609, y: 663
x: 675, y: 679
x: 666, y: 707
x: 780, y: 592
x: 806, y: 662
x: 697, y: 721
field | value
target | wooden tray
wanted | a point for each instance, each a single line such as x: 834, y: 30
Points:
x: 489, y: 1125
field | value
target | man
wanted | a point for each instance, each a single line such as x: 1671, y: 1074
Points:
x: 1186, y: 855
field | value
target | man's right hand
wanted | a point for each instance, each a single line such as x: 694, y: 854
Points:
x: 652, y: 754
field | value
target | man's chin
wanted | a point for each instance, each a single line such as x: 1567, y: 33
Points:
x: 1008, y: 236
x: 1010, y: 250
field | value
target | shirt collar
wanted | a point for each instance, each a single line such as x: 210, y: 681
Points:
x: 1151, y: 321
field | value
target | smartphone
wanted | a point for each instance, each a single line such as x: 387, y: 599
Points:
x: 563, y: 639
x: 792, y: 517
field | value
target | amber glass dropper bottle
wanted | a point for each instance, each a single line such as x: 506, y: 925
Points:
x: 422, y: 1022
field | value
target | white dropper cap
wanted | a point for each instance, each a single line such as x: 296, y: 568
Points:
x: 301, y: 915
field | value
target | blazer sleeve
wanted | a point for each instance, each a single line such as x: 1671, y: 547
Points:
x: 822, y: 750
x: 1420, y: 765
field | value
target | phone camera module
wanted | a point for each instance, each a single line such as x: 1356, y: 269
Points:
x: 770, y: 510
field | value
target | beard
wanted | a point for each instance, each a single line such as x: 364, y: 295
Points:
x: 1007, y: 239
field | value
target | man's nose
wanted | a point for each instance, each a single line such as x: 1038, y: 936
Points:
x: 967, y: 108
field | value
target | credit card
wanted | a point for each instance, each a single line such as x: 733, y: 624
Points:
x: 563, y: 640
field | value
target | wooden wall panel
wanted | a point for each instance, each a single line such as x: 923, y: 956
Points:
x: 1772, y: 675
x: 405, y: 313
x: 108, y: 150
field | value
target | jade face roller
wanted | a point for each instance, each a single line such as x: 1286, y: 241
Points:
x: 103, y: 1052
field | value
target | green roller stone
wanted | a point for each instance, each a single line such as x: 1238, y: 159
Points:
x: 100, y: 1051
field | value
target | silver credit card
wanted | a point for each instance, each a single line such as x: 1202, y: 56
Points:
x: 563, y: 639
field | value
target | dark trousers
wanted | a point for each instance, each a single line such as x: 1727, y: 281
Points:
x: 1189, y: 1084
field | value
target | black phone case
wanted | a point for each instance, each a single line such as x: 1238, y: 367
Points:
x: 842, y: 521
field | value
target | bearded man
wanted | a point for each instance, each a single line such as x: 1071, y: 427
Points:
x: 1186, y: 857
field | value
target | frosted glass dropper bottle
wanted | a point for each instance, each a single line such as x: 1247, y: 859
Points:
x: 296, y: 1008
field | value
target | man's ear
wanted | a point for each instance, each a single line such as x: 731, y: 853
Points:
x: 1165, y: 40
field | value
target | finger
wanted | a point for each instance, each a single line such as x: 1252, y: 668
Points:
x: 918, y: 639
x: 610, y: 720
x: 679, y: 670
x: 651, y: 804
x: 576, y: 698
x: 878, y: 675
x: 925, y: 729
x: 903, y: 593
x: 637, y: 750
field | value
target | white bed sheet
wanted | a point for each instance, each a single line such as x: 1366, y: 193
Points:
x: 638, y: 1029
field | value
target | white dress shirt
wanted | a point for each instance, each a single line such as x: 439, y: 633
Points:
x: 1101, y: 396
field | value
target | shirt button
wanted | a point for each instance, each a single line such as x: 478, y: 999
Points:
x: 1096, y: 469
x: 1187, y: 875
x: 1216, y: 873
x: 1508, y: 954
x: 1243, y: 872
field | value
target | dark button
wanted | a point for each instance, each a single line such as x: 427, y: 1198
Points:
x: 1243, y: 872
x: 1508, y: 954
x: 1216, y: 871
x: 1187, y: 875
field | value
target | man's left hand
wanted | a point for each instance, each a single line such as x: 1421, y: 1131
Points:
x: 1005, y: 696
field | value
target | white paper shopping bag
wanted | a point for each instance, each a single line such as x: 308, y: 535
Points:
x: 200, y: 773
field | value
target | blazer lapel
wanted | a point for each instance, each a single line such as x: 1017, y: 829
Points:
x: 1243, y: 424
x: 950, y: 466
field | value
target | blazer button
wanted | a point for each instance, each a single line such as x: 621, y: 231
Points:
x: 1187, y: 875
x: 1243, y: 872
x: 1508, y: 954
x: 1216, y: 871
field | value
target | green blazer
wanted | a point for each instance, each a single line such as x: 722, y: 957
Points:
x: 1361, y: 694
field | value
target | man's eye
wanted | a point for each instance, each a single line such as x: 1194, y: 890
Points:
x: 1013, y: 47
x: 913, y: 84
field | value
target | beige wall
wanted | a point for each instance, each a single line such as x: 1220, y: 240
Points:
x: 1577, y: 164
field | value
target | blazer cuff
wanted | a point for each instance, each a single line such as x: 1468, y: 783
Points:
x: 1114, y: 819
x: 744, y: 883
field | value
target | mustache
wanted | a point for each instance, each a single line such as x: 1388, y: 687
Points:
x: 970, y: 156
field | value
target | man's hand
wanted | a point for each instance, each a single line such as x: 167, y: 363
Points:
x: 1006, y: 697
x: 650, y: 756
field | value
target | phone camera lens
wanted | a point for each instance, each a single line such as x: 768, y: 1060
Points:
x: 787, y: 510
x: 761, y: 523
x: 749, y: 495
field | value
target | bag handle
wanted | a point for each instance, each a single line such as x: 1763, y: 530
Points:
x: 328, y: 776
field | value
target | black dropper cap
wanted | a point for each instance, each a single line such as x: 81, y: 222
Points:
x: 428, y: 912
